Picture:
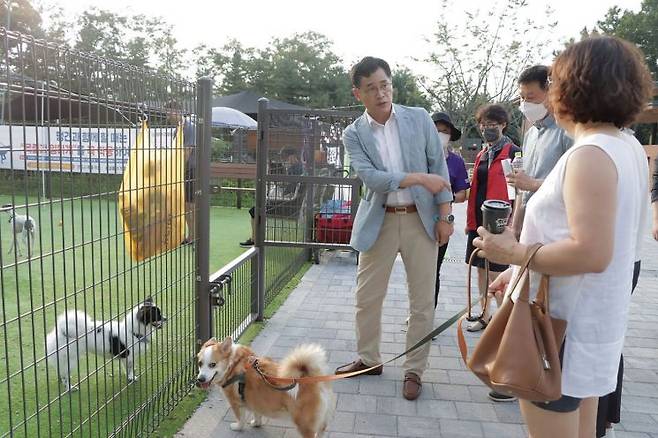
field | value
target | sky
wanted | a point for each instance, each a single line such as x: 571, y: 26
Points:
x: 394, y: 30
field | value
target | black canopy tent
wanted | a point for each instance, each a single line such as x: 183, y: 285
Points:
x: 247, y: 102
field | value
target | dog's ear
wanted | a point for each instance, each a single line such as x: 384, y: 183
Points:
x: 210, y: 342
x: 226, y: 344
x: 141, y: 314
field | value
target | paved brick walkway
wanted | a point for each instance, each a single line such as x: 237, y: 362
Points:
x: 453, y: 403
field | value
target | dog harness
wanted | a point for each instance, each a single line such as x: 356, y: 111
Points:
x: 239, y: 378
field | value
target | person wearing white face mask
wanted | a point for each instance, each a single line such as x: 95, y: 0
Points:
x: 544, y: 143
x: 458, y: 178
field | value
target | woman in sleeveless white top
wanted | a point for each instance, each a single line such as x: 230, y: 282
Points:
x: 595, y: 305
x: 589, y: 214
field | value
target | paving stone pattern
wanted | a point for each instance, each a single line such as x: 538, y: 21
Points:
x: 453, y: 403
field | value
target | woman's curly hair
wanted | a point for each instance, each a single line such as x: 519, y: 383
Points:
x: 600, y: 79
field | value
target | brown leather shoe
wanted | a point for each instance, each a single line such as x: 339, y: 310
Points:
x: 412, y: 386
x: 357, y: 365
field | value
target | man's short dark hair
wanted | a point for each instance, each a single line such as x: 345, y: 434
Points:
x: 536, y: 73
x: 366, y: 67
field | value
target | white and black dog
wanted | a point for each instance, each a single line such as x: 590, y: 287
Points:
x: 76, y: 333
x: 23, y: 228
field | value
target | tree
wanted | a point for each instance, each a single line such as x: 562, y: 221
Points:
x: 300, y: 69
x: 21, y: 16
x: 637, y: 27
x: 58, y: 27
x: 304, y: 70
x: 102, y: 33
x: 406, y: 89
x: 141, y: 41
x: 229, y: 66
x: 160, y: 45
x: 478, y: 58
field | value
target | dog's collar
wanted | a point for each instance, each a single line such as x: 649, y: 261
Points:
x: 240, y: 380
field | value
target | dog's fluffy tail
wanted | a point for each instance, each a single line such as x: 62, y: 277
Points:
x: 315, y: 401
x: 74, y: 324
x: 305, y: 360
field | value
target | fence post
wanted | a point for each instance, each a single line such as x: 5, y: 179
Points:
x: 238, y: 194
x: 202, y: 206
x: 258, y: 271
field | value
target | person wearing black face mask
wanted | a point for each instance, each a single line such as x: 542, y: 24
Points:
x: 488, y: 183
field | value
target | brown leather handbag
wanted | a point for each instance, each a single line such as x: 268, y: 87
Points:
x: 517, y: 353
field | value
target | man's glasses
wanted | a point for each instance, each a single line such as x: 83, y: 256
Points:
x: 374, y: 90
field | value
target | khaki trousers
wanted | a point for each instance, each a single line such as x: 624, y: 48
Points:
x: 404, y: 234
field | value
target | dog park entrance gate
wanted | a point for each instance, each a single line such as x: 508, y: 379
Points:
x: 306, y: 196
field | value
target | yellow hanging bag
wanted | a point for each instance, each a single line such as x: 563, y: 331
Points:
x: 151, y: 198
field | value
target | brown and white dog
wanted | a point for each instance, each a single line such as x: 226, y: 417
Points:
x: 309, y: 405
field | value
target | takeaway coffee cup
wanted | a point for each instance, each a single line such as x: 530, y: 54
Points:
x: 495, y: 215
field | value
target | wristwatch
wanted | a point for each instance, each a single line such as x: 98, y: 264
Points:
x: 449, y: 219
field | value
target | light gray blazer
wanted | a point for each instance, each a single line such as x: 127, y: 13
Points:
x: 421, y: 153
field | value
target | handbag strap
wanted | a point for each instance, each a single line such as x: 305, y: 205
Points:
x: 530, y: 254
x: 543, y: 294
x: 469, y: 316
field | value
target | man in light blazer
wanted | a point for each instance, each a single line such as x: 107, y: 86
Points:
x: 406, y: 209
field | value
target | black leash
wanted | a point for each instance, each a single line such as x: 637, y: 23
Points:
x: 437, y: 331
x: 314, y: 379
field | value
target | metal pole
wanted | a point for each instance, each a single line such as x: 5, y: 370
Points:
x: 8, y: 3
x: 238, y: 195
x: 258, y: 286
x: 44, y: 138
x: 310, y: 188
x: 202, y: 207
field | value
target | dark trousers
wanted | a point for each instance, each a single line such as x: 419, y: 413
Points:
x: 610, y: 405
x: 439, y: 262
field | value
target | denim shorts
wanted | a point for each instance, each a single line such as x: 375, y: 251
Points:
x: 563, y: 404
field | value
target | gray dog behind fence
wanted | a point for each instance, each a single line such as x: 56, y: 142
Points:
x: 23, y: 229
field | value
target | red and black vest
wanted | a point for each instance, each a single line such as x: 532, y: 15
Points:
x: 496, y: 184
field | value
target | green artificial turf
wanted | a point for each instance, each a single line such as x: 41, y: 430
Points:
x: 79, y: 262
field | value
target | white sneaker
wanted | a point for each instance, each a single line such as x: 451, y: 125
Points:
x: 610, y: 433
x: 478, y: 325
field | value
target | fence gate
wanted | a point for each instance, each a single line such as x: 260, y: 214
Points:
x: 306, y: 197
x: 69, y: 122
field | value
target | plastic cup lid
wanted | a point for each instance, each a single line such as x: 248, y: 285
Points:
x: 496, y: 204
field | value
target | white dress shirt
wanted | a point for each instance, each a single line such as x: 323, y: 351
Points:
x: 387, y: 138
